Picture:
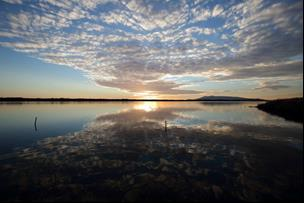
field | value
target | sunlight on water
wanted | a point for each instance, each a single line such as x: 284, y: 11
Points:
x: 128, y: 151
x: 146, y: 106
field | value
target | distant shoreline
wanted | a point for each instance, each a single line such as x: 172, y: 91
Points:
x: 22, y: 99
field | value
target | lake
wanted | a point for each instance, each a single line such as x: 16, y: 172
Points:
x: 129, y: 151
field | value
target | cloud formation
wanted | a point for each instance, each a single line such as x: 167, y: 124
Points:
x: 274, y: 85
x: 132, y: 45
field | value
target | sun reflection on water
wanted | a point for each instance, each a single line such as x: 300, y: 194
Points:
x: 146, y: 106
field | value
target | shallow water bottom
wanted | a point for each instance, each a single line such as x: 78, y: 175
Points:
x: 133, y: 155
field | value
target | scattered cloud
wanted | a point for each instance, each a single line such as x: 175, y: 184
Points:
x: 273, y: 85
x: 292, y: 69
x: 132, y: 45
x: 217, y: 10
x: 13, y: 1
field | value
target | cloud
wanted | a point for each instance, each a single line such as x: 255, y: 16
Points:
x: 286, y: 69
x: 132, y: 45
x: 217, y: 10
x: 13, y: 1
x: 154, y: 87
x: 267, y: 34
x: 273, y: 85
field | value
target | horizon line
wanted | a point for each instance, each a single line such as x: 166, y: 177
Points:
x: 116, y: 99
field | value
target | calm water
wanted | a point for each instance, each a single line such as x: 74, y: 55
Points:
x: 131, y: 151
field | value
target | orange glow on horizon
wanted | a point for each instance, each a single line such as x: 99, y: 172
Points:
x: 146, y: 95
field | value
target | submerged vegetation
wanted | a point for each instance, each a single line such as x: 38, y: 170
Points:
x: 135, y: 155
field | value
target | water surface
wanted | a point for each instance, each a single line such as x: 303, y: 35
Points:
x: 126, y: 151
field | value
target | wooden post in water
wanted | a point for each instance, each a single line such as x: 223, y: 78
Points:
x: 35, y: 123
x: 166, y: 135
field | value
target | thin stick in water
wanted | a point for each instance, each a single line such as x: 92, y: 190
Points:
x: 35, y: 123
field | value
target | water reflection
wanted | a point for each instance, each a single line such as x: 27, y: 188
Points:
x: 128, y: 156
x: 146, y: 106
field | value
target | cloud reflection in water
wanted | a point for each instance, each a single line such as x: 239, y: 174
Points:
x: 128, y: 156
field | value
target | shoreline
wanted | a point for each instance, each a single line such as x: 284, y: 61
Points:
x: 290, y: 109
x: 21, y: 99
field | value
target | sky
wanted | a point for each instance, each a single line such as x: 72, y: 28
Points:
x: 158, y: 49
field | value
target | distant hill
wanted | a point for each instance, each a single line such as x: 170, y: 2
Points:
x: 227, y: 98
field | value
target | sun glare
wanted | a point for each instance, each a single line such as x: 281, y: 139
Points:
x: 146, y: 106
